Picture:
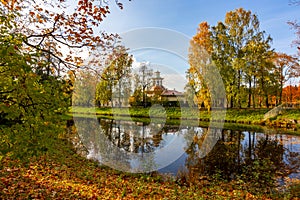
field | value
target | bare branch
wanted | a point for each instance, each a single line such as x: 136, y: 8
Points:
x: 65, y: 63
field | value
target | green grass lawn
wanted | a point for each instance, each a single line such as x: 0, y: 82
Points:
x: 248, y: 116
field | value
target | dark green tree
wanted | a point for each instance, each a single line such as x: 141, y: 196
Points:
x: 30, y: 104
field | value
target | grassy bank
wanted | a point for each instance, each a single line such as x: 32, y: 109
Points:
x: 289, y: 118
x: 63, y: 174
x: 66, y: 175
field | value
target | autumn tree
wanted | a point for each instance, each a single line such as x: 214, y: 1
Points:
x: 41, y: 41
x: 296, y: 42
x: 221, y: 55
x: 239, y: 49
x: 136, y: 99
x: 142, y: 80
x: 237, y: 39
x: 286, y: 68
x: 258, y: 69
x: 291, y: 94
x: 84, y: 88
x: 296, y: 26
x: 114, y: 77
x: 103, y: 94
x: 30, y: 105
x: 199, y: 53
x: 61, y: 35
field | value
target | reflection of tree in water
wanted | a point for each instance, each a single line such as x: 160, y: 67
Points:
x: 293, y: 160
x: 223, y: 157
x: 126, y: 143
x: 97, y: 144
x: 266, y: 148
x: 265, y: 161
x: 136, y: 138
x: 235, y: 154
x: 282, y: 160
x: 239, y: 154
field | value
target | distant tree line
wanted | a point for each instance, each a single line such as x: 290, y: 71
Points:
x: 251, y: 71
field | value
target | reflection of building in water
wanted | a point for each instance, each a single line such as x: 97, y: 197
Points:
x: 242, y: 148
x: 159, y: 93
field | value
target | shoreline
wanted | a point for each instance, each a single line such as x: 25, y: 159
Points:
x: 290, y: 119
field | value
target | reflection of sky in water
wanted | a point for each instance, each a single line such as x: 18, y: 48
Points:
x: 168, y: 138
x: 170, y: 149
x: 291, y: 143
x: 168, y: 154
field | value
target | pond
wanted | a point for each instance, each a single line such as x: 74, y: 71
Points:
x: 189, y: 149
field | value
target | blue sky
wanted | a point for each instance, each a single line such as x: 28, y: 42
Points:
x: 184, y: 17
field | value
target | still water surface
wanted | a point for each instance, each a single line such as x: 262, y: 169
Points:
x: 203, y: 151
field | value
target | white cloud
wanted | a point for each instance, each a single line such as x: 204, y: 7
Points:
x: 177, y: 81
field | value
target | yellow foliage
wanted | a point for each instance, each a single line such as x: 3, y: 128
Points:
x: 8, y: 3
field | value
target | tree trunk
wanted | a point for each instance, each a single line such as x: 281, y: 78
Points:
x: 112, y: 104
x: 267, y: 100
x: 119, y: 99
x: 253, y: 93
x: 280, y: 92
x: 238, y: 90
x: 249, y: 95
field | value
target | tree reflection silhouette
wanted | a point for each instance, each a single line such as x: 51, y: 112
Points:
x: 240, y: 154
x: 253, y: 157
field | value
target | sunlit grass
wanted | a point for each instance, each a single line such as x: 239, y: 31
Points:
x: 251, y: 116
